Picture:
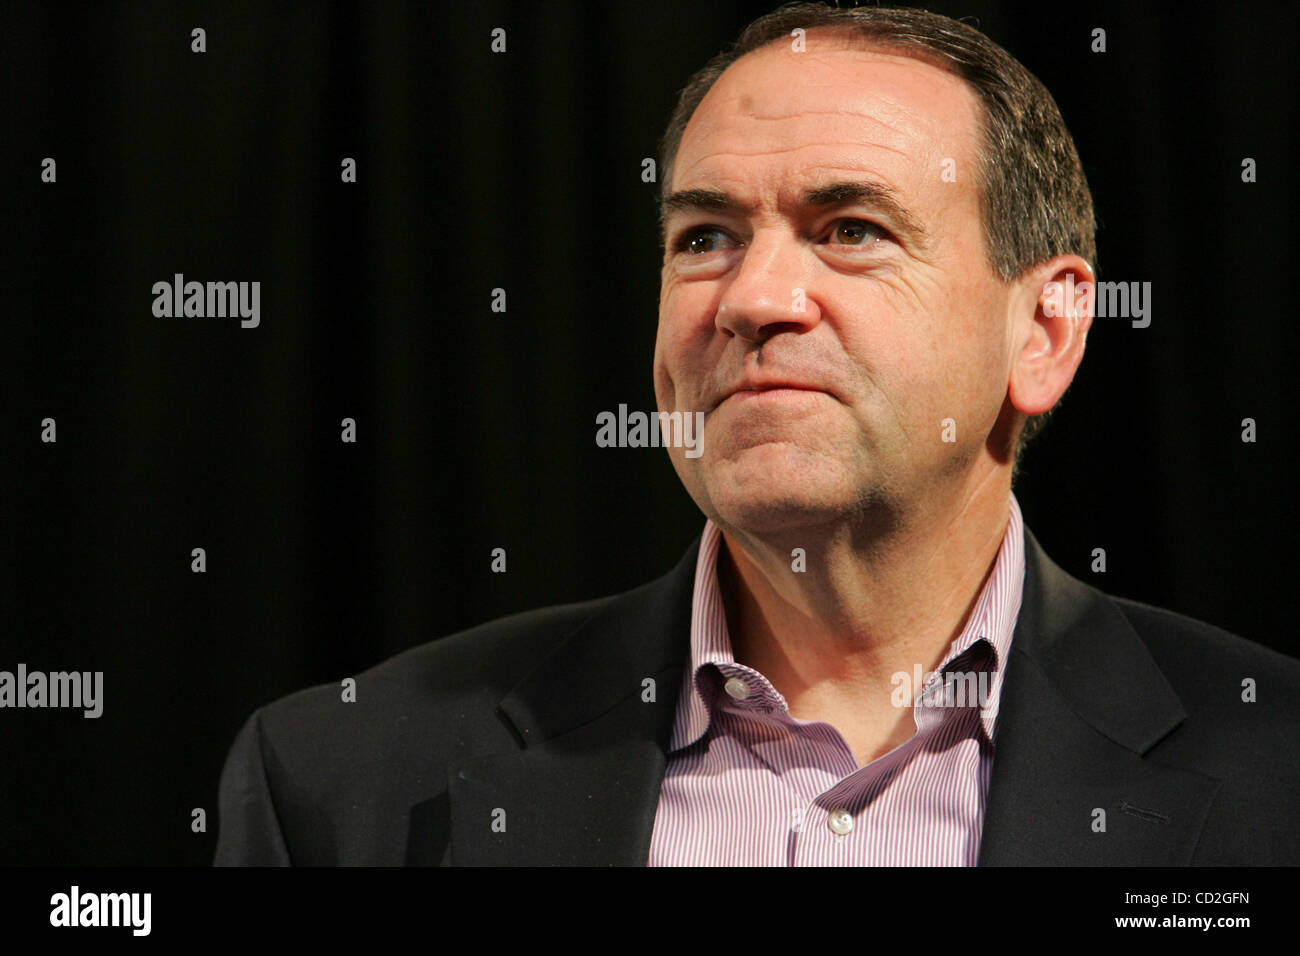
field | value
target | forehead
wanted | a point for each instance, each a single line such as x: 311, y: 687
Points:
x: 776, y: 115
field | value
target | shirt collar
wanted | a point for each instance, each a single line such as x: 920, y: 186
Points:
x: 993, y: 620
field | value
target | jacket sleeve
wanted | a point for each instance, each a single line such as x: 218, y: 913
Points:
x: 249, y: 831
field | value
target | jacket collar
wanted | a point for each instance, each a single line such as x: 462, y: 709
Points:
x: 595, y: 718
x: 1082, y: 702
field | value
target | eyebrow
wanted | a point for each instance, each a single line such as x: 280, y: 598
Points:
x: 844, y: 193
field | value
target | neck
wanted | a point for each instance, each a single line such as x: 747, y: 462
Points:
x: 879, y: 595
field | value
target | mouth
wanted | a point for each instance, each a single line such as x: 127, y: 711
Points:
x: 772, y: 392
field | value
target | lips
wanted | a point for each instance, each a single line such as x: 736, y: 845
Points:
x: 756, y: 388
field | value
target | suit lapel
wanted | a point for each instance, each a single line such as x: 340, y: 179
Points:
x: 1082, y: 706
x: 584, y: 788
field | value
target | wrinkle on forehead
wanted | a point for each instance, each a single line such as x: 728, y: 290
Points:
x: 749, y: 112
x: 731, y: 139
x: 889, y: 115
x: 906, y: 154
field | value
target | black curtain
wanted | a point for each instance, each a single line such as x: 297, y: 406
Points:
x: 475, y: 428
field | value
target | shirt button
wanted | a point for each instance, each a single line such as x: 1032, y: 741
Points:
x: 841, y: 821
x: 737, y: 688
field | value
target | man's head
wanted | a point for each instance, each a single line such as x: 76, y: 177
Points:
x: 869, y: 209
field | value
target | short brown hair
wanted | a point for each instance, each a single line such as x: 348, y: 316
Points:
x: 1033, y: 193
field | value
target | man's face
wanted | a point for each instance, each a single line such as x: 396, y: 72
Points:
x: 877, y: 301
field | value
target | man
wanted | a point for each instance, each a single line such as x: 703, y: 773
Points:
x: 866, y: 215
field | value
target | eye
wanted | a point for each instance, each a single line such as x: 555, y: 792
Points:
x: 697, y: 242
x: 856, y: 232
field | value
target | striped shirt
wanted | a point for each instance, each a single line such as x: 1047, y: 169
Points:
x: 747, y: 784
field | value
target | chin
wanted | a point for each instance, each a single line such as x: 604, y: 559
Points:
x: 766, y: 497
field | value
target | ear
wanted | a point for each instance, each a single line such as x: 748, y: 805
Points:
x: 1051, y: 307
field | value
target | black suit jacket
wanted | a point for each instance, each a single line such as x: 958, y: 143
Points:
x: 539, y: 721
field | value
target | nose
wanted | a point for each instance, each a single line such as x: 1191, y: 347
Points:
x: 769, y: 293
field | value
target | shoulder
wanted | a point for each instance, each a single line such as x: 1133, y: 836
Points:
x: 335, y: 773
x: 454, y: 680
x: 1240, y: 729
x: 1198, y: 657
x: 324, y: 777
x: 1240, y: 697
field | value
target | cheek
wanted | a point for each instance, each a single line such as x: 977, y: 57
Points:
x: 672, y: 351
x: 686, y: 308
x: 685, y: 334
x: 984, y: 325
x: 930, y: 353
x: 664, y: 376
x: 975, y: 360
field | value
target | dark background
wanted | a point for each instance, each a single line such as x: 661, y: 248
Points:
x: 476, y: 429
